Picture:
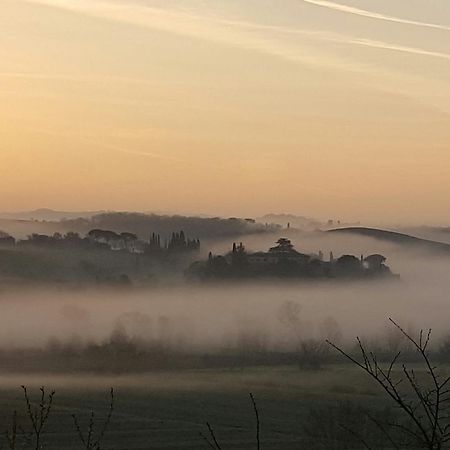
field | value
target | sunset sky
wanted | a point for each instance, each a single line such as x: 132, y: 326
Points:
x: 227, y: 107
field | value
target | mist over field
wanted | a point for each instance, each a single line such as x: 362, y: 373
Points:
x: 209, y: 317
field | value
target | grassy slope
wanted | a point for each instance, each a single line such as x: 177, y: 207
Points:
x: 169, y: 410
x: 67, y: 265
x: 395, y: 237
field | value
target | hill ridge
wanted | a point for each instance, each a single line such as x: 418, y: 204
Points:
x: 393, y: 236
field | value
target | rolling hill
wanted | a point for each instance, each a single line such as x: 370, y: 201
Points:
x: 396, y: 238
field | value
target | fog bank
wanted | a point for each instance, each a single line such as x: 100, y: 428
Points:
x: 210, y: 317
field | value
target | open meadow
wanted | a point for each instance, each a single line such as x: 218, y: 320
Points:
x: 298, y: 409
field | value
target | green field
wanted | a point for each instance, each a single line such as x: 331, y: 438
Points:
x: 298, y: 409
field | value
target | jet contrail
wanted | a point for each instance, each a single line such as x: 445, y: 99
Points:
x: 105, y: 146
x: 236, y: 33
x: 373, y: 15
x: 399, y: 48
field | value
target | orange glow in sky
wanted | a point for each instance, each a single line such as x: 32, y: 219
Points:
x: 322, y: 108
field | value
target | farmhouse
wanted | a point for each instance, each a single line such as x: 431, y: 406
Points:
x: 283, y: 251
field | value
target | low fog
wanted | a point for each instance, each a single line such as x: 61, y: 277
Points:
x: 209, y: 317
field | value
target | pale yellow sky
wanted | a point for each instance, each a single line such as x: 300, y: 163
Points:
x: 227, y: 107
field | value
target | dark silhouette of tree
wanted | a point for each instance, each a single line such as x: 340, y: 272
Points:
x: 283, y: 245
x: 213, y: 441
x: 192, y: 226
x: 38, y: 415
x: 424, y: 402
x: 6, y: 240
x: 90, y: 439
x: 179, y: 243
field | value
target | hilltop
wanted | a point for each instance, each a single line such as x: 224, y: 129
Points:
x: 139, y: 223
x: 47, y: 215
x: 395, y: 237
x: 283, y: 261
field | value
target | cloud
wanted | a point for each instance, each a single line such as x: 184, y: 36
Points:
x: 399, y: 48
x: 227, y: 32
x: 373, y: 15
x: 274, y: 41
x: 233, y: 32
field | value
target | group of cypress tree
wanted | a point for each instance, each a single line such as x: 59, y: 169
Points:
x: 177, y: 243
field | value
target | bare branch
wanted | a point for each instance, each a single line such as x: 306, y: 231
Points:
x: 258, y: 445
x: 213, y: 436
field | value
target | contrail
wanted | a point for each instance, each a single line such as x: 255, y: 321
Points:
x: 135, y: 152
x: 398, y: 48
x: 236, y: 33
x: 373, y: 15
x: 106, y: 146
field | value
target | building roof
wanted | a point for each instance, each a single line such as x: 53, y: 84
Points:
x: 278, y: 254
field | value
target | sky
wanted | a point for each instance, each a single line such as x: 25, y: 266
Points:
x: 227, y: 107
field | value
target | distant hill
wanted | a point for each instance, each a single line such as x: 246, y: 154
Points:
x: 395, y: 237
x: 303, y: 223
x: 20, y: 228
x: 145, y: 224
x: 432, y: 233
x: 141, y: 224
x: 49, y: 215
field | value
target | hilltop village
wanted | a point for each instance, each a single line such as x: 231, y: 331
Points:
x: 283, y: 260
x: 105, y: 256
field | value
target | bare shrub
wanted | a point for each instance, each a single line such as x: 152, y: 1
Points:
x: 330, y: 329
x: 423, y: 399
x: 92, y: 439
x: 312, y: 354
x: 38, y: 415
x: 212, y: 441
x: 11, y: 433
x: 330, y: 427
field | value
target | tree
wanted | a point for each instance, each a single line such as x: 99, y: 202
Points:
x: 423, y: 401
x: 283, y: 245
x: 38, y: 415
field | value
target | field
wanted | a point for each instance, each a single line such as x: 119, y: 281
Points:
x: 298, y: 409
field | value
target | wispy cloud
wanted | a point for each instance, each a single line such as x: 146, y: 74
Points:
x: 235, y: 32
x: 398, y: 48
x: 102, y: 145
x: 229, y: 32
x: 273, y: 40
x: 135, y: 152
x: 373, y: 15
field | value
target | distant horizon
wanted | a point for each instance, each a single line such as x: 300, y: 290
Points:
x: 86, y: 212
